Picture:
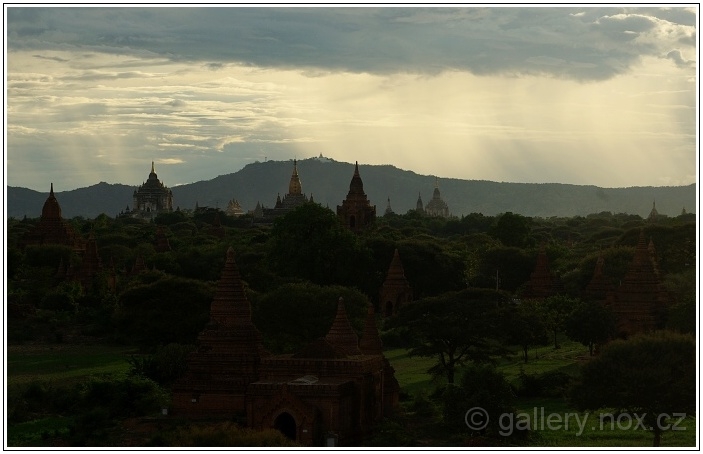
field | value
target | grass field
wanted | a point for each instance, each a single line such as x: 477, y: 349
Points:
x: 582, y: 430
x: 64, y: 363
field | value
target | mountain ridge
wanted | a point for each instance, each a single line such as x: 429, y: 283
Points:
x: 328, y: 181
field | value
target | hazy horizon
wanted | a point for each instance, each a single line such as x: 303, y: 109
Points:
x: 602, y: 96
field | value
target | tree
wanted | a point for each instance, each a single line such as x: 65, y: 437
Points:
x: 310, y: 243
x: 526, y: 326
x: 481, y: 387
x: 590, y: 323
x: 171, y: 309
x: 512, y: 229
x: 454, y: 328
x: 295, y: 315
x: 650, y: 377
x: 555, y: 311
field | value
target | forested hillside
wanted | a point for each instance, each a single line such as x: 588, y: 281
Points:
x: 328, y: 182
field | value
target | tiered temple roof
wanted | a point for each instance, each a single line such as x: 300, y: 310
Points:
x: 356, y: 212
x: 52, y: 229
x: 292, y: 200
x: 599, y: 286
x: 341, y: 335
x: 332, y: 385
x: 396, y: 290
x: 542, y: 284
x: 230, y: 349
x: 161, y: 243
x: 437, y: 207
x: 389, y: 210
x: 152, y: 196
x: 640, y: 301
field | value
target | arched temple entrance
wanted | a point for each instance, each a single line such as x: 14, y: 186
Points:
x: 389, y: 309
x: 285, y: 423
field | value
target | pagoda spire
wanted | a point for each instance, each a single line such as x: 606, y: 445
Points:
x: 341, y: 335
x: 152, y: 167
x: 51, y: 191
x: 295, y: 187
x: 230, y: 306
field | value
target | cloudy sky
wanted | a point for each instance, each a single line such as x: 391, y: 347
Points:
x: 603, y: 96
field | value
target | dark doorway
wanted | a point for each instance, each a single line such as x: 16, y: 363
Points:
x: 389, y: 309
x: 285, y: 424
x: 352, y: 222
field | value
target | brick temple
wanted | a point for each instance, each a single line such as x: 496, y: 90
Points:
x: 338, y: 386
x: 640, y: 301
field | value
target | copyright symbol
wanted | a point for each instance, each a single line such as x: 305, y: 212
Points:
x: 476, y: 418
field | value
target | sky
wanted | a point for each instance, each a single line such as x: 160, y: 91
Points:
x: 603, y: 96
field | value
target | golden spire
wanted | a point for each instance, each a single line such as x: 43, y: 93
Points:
x: 295, y: 186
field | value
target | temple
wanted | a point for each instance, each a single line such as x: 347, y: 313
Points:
x: 654, y: 214
x: 234, y: 208
x: 542, y: 283
x: 151, y: 197
x: 437, y: 207
x: 292, y: 200
x: 389, y: 210
x: 338, y: 385
x: 419, y: 207
x: 52, y: 229
x: 640, y: 301
x: 356, y: 212
x: 396, y: 290
x: 600, y: 285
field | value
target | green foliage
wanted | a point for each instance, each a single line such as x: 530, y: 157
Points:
x: 311, y: 244
x: 64, y: 297
x: 511, y: 265
x: 525, y: 325
x: 682, y: 317
x: 164, y: 366
x: 483, y: 389
x: 512, y: 230
x: 170, y: 218
x: 547, y: 384
x: 225, y: 434
x: 555, y: 311
x: 590, y: 323
x: 454, y: 328
x: 649, y: 375
x: 430, y: 265
x: 169, y: 310
x: 49, y: 255
x: 295, y: 315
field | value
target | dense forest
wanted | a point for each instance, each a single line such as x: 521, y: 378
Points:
x: 294, y: 271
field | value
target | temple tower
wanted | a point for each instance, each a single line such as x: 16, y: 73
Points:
x: 290, y: 201
x: 229, y: 352
x: 599, y: 286
x: 640, y: 302
x: 419, y: 206
x: 52, y: 229
x: 541, y: 284
x: 341, y: 335
x: 152, y: 197
x: 389, y: 210
x: 396, y: 290
x: 356, y: 212
x: 437, y: 207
